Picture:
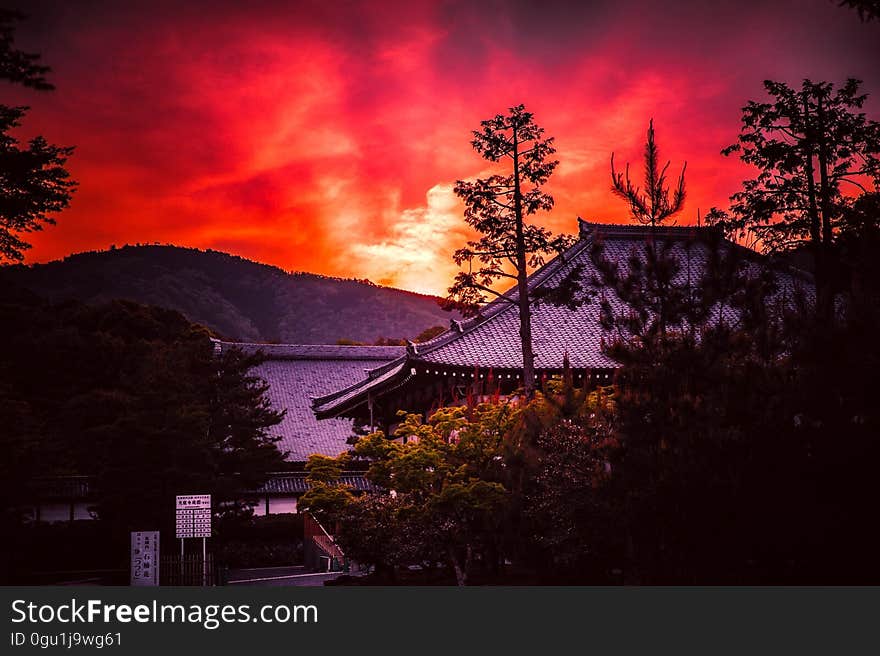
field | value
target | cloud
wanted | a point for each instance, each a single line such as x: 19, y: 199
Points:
x: 306, y: 136
x: 416, y: 253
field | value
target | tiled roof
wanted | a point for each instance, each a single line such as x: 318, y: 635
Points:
x: 296, y: 483
x: 492, y: 339
x: 296, y: 373
x: 72, y: 488
x: 388, y: 380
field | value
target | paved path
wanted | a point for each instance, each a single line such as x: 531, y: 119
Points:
x: 279, y: 576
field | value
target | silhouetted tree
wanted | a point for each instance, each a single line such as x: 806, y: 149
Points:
x: 651, y: 286
x: 35, y: 184
x: 676, y: 308
x: 134, y: 396
x: 17, y: 66
x: 868, y: 9
x: 33, y: 180
x: 653, y: 206
x: 496, y: 207
x: 805, y: 144
x: 859, y: 249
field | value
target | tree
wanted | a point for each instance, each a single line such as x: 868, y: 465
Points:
x: 653, y: 206
x: 868, y: 9
x: 806, y: 144
x: 496, y: 207
x: 17, y: 66
x: 574, y: 521
x: 326, y: 496
x: 33, y: 181
x: 386, y: 532
x: 651, y: 287
x: 142, y: 403
x: 675, y: 309
x: 444, y: 496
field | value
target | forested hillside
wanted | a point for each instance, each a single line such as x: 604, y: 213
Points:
x: 238, y: 298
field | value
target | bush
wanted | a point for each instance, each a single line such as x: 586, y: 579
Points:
x: 273, y: 540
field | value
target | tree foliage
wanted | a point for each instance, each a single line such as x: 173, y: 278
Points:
x: 35, y: 184
x: 653, y: 206
x: 868, y: 9
x: 15, y: 65
x: 807, y: 144
x: 496, y: 207
x: 33, y: 181
x: 570, y: 516
x: 445, y: 492
x: 134, y: 397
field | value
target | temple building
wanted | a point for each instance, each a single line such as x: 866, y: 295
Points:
x: 331, y: 393
x: 482, y: 356
x: 296, y: 373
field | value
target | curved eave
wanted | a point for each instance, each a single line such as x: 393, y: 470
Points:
x: 342, y: 401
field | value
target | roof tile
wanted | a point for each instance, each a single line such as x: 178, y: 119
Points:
x: 492, y: 340
x: 296, y: 373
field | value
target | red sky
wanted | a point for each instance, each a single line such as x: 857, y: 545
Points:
x: 327, y: 136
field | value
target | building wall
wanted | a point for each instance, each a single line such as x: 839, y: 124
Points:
x: 60, y: 512
x: 277, y: 505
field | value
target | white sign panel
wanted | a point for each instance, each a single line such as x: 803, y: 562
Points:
x: 194, y: 516
x: 145, y: 558
x: 188, y: 501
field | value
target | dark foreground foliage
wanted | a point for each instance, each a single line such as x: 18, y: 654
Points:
x: 737, y: 444
x: 133, y: 397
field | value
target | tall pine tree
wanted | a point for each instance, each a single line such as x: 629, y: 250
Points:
x: 497, y: 207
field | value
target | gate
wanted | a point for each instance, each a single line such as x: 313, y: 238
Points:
x: 188, y: 569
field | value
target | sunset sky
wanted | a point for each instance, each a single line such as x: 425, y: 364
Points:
x: 327, y: 136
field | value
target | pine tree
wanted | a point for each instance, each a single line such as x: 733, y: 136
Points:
x: 497, y: 207
x: 654, y: 206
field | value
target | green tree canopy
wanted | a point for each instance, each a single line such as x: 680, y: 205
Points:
x: 444, y: 497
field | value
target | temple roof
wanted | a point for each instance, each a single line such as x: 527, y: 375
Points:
x: 297, y: 372
x: 295, y: 483
x: 491, y: 340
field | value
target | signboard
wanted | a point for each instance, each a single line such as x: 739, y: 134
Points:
x: 191, y: 501
x: 194, y: 516
x: 145, y: 558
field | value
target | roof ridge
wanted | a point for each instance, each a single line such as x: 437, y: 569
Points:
x: 588, y: 228
x: 498, y: 306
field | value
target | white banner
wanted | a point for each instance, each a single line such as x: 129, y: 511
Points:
x: 145, y: 558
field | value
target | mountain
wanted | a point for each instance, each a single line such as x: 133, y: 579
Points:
x: 237, y: 298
